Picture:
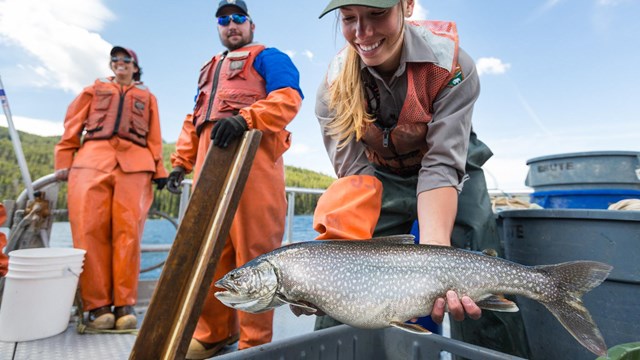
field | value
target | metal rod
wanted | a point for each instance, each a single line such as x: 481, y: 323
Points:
x: 17, y: 146
x: 291, y: 204
x: 22, y: 162
x: 184, y: 198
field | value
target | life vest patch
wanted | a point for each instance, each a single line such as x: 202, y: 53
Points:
x: 236, y: 65
x: 457, y: 77
x: 139, y: 105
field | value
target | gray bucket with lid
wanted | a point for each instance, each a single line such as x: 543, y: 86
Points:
x: 585, y: 170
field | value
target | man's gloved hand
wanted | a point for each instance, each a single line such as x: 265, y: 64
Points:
x: 160, y: 183
x: 175, y: 180
x: 227, y: 129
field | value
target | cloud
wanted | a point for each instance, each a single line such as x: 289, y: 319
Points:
x: 35, y: 126
x: 419, y: 12
x: 66, y: 52
x: 299, y: 149
x: 492, y: 66
x: 308, y: 54
x: 505, y: 173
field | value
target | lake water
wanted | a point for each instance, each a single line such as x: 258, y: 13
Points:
x: 163, y: 232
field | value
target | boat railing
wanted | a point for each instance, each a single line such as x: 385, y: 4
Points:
x: 292, y: 191
x: 49, y: 187
x: 291, y: 204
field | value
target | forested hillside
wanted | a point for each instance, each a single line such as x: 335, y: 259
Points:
x: 38, y: 152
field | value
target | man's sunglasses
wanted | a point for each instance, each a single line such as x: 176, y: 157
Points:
x: 125, y: 59
x: 236, y: 18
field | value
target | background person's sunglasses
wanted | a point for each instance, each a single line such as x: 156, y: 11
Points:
x: 236, y: 18
x: 125, y: 59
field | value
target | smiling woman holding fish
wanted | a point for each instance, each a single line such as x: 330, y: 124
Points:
x: 395, y: 112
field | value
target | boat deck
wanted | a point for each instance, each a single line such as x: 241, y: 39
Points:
x: 70, y: 345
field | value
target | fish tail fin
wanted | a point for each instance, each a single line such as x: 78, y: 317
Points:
x: 573, y: 280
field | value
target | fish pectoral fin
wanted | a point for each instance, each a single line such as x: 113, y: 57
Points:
x: 306, y: 308
x: 497, y: 303
x: 412, y: 328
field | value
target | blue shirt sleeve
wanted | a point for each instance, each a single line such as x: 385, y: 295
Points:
x: 195, y: 99
x: 278, y: 71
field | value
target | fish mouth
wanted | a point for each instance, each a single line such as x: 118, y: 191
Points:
x: 235, y: 300
x: 231, y: 297
x: 229, y: 286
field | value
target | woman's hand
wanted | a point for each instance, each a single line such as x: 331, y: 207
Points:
x: 457, y: 308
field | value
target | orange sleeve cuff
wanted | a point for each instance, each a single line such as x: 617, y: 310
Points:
x: 349, y: 209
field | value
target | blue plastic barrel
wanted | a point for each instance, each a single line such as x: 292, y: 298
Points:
x: 582, y: 198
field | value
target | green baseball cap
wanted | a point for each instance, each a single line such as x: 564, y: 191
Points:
x: 335, y: 4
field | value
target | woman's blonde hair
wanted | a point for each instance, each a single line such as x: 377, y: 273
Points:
x: 348, y: 98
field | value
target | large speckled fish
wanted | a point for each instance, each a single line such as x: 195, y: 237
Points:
x: 387, y: 281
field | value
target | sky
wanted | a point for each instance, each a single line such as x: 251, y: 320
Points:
x: 557, y: 76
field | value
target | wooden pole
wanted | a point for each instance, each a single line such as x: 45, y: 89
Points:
x: 178, y: 298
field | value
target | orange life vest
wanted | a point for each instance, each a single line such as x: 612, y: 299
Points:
x: 401, y: 148
x: 115, y: 113
x: 227, y: 84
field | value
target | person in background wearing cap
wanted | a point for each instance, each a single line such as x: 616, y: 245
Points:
x: 110, y: 152
x: 255, y: 88
x: 395, y: 112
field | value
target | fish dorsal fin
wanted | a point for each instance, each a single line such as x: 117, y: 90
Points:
x: 396, y: 239
x: 412, y: 328
x: 497, y: 303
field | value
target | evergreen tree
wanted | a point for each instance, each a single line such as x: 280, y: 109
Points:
x: 38, y: 152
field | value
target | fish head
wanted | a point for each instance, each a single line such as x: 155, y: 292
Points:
x: 250, y: 288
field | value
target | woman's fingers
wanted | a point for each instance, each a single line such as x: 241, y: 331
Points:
x: 459, y: 307
x: 470, y: 307
x: 437, y: 313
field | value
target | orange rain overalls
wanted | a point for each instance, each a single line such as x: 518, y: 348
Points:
x: 110, y: 184
x: 258, y: 225
x: 4, y: 259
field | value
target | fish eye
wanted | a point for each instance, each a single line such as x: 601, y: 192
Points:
x: 235, y: 276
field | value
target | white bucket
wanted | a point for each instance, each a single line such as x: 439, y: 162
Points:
x: 42, y: 256
x: 31, y: 268
x: 37, y: 302
x: 42, y: 262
